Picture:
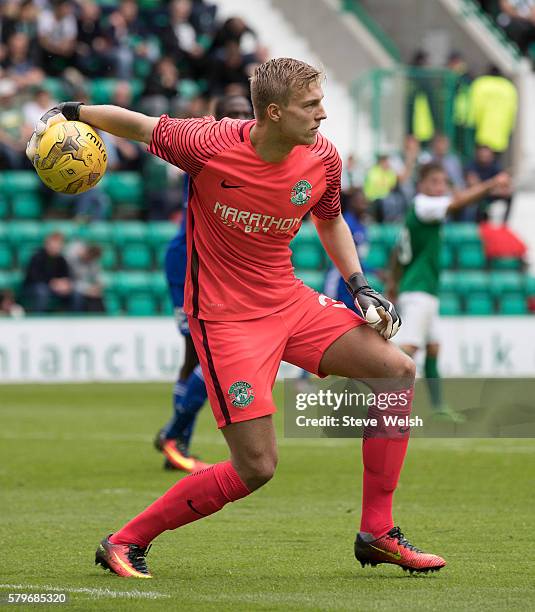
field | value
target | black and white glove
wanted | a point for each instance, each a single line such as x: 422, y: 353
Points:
x: 375, y: 308
x: 66, y: 111
x: 181, y: 320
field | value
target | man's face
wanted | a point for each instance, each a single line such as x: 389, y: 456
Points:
x: 435, y: 184
x: 300, y: 120
x: 54, y: 245
x: 441, y: 146
x: 484, y: 155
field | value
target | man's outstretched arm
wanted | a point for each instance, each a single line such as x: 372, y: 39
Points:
x: 119, y: 121
x: 113, y: 119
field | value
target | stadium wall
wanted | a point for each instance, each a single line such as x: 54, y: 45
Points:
x: 148, y: 349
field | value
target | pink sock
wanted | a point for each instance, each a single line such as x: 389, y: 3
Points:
x: 190, y: 499
x: 383, y: 452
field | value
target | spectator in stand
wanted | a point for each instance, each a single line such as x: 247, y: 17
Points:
x: 19, y: 65
x: 379, y: 183
x: 441, y: 154
x: 352, y: 175
x: 463, y: 137
x: 8, y: 305
x: 26, y: 23
x: 163, y: 83
x: 179, y: 40
x: 484, y: 167
x: 57, y: 31
x: 13, y: 131
x: 235, y: 30
x: 35, y: 108
x: 405, y: 166
x: 230, y: 68
x: 84, y: 263
x: 48, y: 277
x: 93, y: 48
x: 356, y: 215
x: 129, y: 39
x: 122, y: 154
x: 9, y: 15
x: 420, y: 103
x: 494, y: 104
x: 517, y: 18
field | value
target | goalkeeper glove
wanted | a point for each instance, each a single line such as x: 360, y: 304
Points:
x: 374, y: 308
x: 181, y: 320
x: 66, y: 111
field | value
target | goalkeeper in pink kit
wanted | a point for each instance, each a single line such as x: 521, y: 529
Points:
x: 252, y: 184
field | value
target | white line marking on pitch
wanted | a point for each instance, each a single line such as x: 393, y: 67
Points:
x: 92, y: 592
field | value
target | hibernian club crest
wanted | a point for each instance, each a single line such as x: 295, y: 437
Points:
x: 241, y: 394
x: 301, y: 193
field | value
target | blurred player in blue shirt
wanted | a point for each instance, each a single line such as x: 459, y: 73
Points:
x: 355, y: 212
x: 189, y: 394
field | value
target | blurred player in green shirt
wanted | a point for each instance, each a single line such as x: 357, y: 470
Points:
x: 416, y: 273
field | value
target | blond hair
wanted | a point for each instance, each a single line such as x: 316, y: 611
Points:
x: 273, y: 82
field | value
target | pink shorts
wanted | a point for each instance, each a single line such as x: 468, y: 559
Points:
x: 240, y: 359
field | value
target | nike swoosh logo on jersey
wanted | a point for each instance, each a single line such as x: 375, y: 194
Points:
x: 225, y: 185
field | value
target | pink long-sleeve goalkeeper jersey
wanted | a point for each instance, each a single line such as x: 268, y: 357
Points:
x: 243, y: 212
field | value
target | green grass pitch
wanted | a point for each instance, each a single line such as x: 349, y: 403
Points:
x: 77, y: 462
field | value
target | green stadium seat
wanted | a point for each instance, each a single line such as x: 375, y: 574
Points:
x: 386, y: 234
x: 513, y: 304
x: 6, y: 257
x: 127, y: 283
x: 472, y: 281
x: 103, y: 90
x: 124, y: 188
x: 312, y: 278
x: 20, y: 232
x: 26, y: 206
x: 377, y: 258
x: 136, y: 256
x: 25, y: 252
x: 159, y: 285
x: 506, y: 282
x: 479, y: 304
x: 167, y: 307
x: 506, y: 263
x: 55, y: 88
x: 446, y: 257
x: 4, y: 207
x: 308, y: 256
x: 530, y: 285
x: 450, y: 304
x: 67, y: 228
x: 112, y: 303
x: 159, y: 255
x: 464, y: 282
x: 126, y: 232
x: 5, y: 280
x: 461, y: 233
x: 307, y: 234
x: 161, y: 232
x: 448, y: 282
x: 15, y: 182
x: 141, y: 305
x: 471, y: 256
x: 11, y: 280
x: 375, y: 282
x: 99, y: 232
x: 109, y: 257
